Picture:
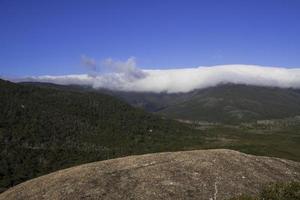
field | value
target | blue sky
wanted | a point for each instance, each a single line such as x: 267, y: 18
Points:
x: 48, y: 37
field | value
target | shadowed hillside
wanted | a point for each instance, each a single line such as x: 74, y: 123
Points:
x: 227, y: 103
x: 46, y: 129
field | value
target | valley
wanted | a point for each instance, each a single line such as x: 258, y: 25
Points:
x: 224, y: 103
x: 149, y: 100
x: 45, y: 128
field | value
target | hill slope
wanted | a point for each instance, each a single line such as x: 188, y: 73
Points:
x: 228, y: 103
x: 46, y: 129
x: 204, y: 174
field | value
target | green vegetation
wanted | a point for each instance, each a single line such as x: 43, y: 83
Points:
x: 237, y: 103
x: 273, y: 141
x: 227, y: 103
x: 47, y: 128
x: 276, y: 191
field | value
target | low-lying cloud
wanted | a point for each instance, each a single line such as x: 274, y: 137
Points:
x: 127, y: 68
x: 126, y: 76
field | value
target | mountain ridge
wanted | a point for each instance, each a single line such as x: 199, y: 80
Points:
x: 45, y: 129
x: 224, y: 103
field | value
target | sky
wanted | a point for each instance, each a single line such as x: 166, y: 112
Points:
x: 61, y: 37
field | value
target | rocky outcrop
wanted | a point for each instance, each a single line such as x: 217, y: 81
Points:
x: 202, y: 174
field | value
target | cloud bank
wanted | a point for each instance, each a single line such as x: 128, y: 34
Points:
x: 128, y: 68
x: 126, y: 76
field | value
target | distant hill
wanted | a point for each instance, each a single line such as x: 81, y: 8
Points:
x: 43, y: 129
x: 227, y: 103
x: 205, y: 174
x: 46, y: 127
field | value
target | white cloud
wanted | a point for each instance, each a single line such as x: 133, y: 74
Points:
x: 127, y: 77
x: 128, y: 68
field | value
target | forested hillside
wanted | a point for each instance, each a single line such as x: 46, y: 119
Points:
x: 237, y: 103
x: 226, y: 103
x: 45, y: 129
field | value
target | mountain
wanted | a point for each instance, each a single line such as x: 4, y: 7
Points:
x: 226, y: 103
x: 46, y: 127
x: 203, y: 174
x: 43, y: 129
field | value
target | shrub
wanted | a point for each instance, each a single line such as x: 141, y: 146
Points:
x: 276, y: 191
